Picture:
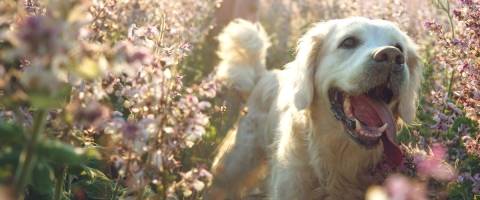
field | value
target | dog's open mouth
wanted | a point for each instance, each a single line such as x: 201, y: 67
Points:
x: 367, y: 119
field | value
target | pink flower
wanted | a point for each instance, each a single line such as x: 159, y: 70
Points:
x: 434, y: 165
x: 398, y: 187
x: 401, y: 188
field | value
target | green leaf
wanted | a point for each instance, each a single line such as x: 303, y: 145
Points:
x: 94, y: 183
x: 43, y: 176
x: 61, y: 153
x: 404, y: 136
x: 8, y: 161
x: 43, y: 181
x: 10, y: 134
x: 464, y: 121
x: 44, y: 100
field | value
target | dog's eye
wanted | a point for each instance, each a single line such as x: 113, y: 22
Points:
x: 349, y: 43
x: 399, y: 47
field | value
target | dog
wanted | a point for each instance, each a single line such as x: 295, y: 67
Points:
x: 314, y: 129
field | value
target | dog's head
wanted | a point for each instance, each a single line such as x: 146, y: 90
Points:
x: 367, y: 70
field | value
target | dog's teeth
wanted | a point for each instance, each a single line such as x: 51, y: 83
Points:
x: 358, y: 125
x: 347, y: 107
x: 362, y: 132
x: 383, y: 128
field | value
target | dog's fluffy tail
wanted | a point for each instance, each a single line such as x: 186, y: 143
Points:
x: 242, y: 51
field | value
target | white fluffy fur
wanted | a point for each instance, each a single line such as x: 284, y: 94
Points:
x: 289, y: 139
x: 242, y: 50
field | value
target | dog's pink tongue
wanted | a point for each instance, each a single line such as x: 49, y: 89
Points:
x: 375, y: 113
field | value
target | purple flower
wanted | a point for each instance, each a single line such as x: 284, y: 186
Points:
x: 39, y: 35
x: 466, y: 2
x: 130, y: 131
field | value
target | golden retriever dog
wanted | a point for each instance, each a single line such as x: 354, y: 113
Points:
x: 315, y: 129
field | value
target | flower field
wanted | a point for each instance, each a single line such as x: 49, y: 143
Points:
x: 114, y: 99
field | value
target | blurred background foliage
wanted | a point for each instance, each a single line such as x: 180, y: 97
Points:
x: 114, y: 99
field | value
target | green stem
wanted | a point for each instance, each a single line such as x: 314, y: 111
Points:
x: 60, y: 181
x: 450, y: 83
x: 115, y: 188
x: 446, y: 7
x: 450, y: 20
x: 28, y: 157
x: 117, y: 182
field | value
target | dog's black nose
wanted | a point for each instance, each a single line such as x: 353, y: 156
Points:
x: 389, y: 54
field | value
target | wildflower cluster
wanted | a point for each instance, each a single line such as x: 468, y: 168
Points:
x: 455, y: 99
x: 91, y: 96
x: 461, y: 60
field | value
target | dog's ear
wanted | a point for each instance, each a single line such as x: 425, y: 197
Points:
x: 409, y: 99
x: 303, y: 67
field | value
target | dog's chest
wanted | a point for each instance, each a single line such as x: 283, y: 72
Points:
x: 339, y: 163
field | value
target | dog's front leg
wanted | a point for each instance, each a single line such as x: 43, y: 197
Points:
x: 291, y: 182
x: 291, y: 177
x: 240, y: 163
